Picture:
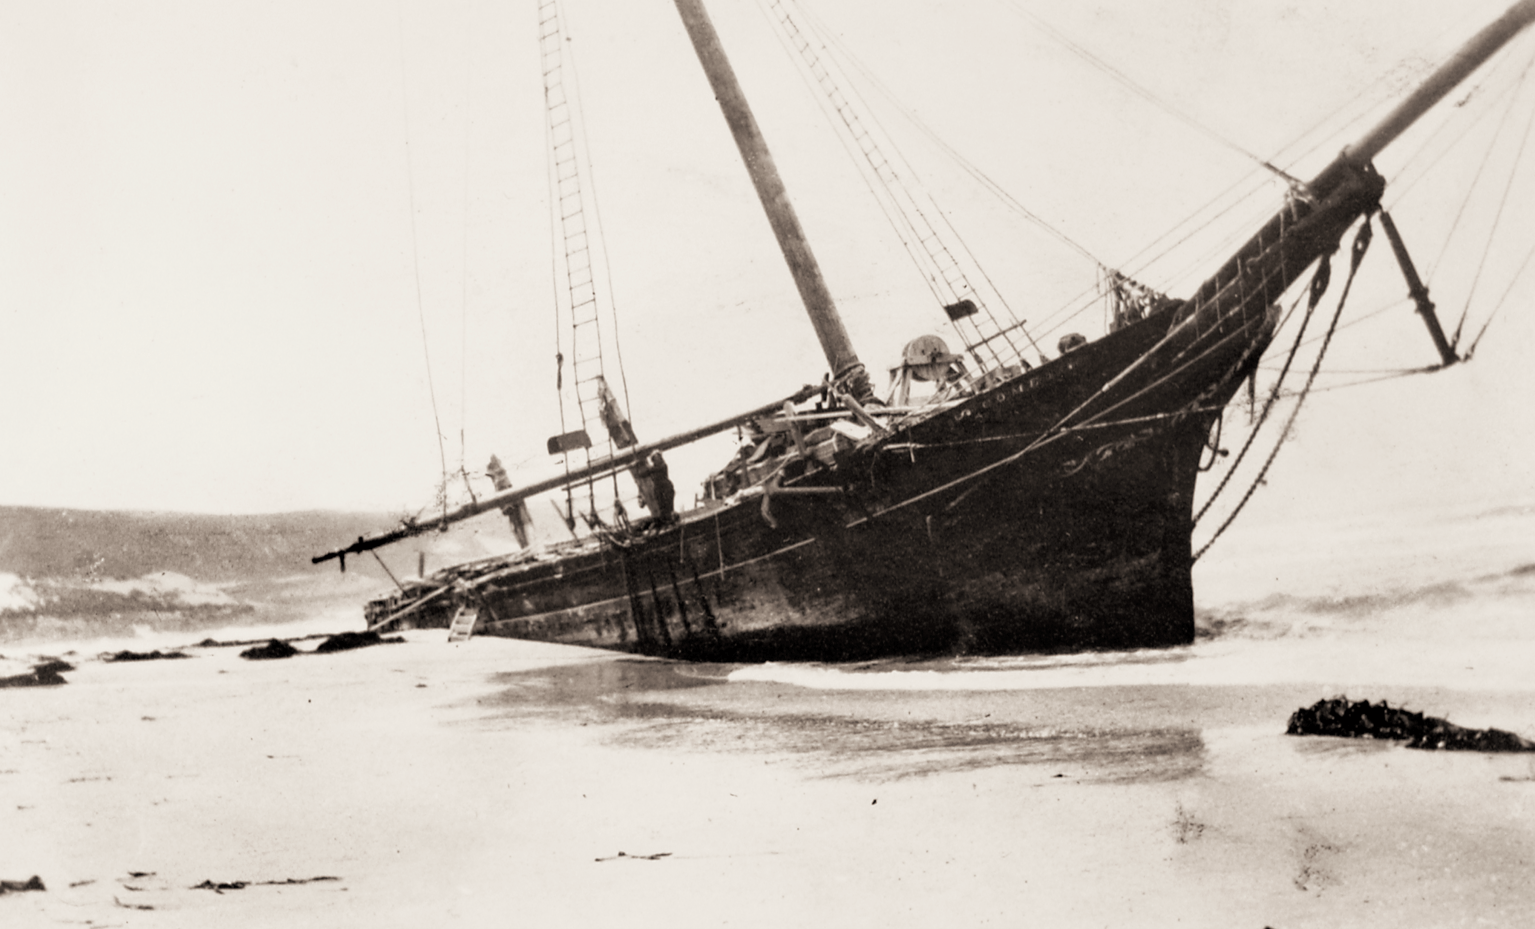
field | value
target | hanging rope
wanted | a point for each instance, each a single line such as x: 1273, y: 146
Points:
x: 1356, y: 255
x: 1319, y: 283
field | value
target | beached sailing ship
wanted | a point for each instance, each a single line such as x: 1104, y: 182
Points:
x: 1018, y: 507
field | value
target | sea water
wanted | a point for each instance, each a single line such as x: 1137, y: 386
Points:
x: 1433, y: 597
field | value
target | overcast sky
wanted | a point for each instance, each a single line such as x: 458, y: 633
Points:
x: 224, y: 227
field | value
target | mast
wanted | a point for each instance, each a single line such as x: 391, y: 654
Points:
x: 848, y: 371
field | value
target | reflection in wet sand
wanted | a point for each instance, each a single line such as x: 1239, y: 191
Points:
x: 880, y: 736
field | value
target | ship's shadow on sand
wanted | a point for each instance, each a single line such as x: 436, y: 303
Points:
x: 880, y: 735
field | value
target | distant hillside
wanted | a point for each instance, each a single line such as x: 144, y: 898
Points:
x: 72, y: 574
x: 38, y: 542
x: 104, y: 545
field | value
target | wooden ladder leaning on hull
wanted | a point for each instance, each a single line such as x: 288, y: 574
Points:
x: 462, y: 626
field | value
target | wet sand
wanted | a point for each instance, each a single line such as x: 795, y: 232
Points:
x: 495, y: 783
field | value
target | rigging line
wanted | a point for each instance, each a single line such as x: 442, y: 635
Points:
x: 1053, y: 321
x: 1361, y: 245
x: 1014, y: 323
x: 818, y: 69
x: 1471, y: 188
x: 1218, y: 250
x: 1241, y: 307
x: 1394, y: 375
x: 551, y: 173
x: 1402, y: 185
x: 1497, y: 219
x: 964, y: 163
x: 1393, y: 305
x: 1147, y: 95
x: 903, y: 447
x: 1318, y: 287
x: 1338, y: 372
x: 905, y: 192
x: 607, y: 268
x: 899, y: 222
x: 824, y: 35
x: 1001, y: 193
x: 1054, y: 432
x: 1061, y: 429
x: 1499, y: 305
x: 1155, y: 250
x: 1089, y: 299
x: 1383, y: 79
x: 1386, y: 79
x: 415, y: 250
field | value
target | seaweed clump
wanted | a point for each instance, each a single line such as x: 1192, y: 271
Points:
x: 343, y: 641
x: 276, y: 648
x: 43, y: 675
x: 36, y: 883
x: 1361, y: 719
x: 156, y: 655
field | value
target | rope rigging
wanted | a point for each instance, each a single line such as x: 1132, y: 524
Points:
x: 1140, y: 91
x: 1523, y: 266
x: 1498, y: 217
x: 583, y: 297
x: 1479, y: 104
x: 929, y: 239
x: 1481, y: 167
x: 1356, y: 255
x: 1358, y: 105
x: 1318, y: 286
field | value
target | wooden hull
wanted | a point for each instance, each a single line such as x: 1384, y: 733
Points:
x: 962, y: 533
x: 1051, y: 511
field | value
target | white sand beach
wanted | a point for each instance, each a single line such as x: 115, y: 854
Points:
x: 496, y: 783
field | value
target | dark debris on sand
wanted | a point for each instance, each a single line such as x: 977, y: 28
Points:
x: 657, y: 856
x: 1361, y: 719
x: 43, y: 675
x: 348, y: 640
x: 155, y: 655
x: 276, y: 648
x: 221, y: 886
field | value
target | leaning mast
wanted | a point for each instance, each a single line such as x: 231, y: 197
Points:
x: 847, y: 370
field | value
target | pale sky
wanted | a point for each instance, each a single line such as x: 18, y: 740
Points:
x: 212, y: 293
